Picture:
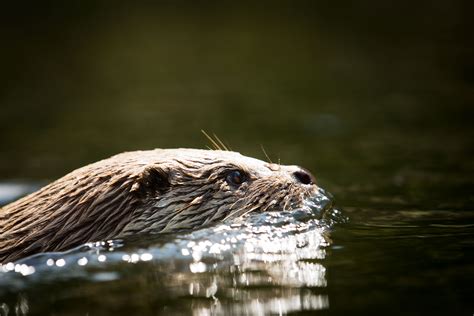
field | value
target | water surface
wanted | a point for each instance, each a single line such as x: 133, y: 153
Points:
x: 375, y: 98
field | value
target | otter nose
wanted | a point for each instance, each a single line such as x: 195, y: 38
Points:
x: 304, y: 176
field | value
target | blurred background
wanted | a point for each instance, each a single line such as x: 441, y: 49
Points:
x: 342, y: 88
x: 374, y: 97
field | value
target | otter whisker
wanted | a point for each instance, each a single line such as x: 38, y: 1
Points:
x: 237, y: 212
x: 287, y: 199
x: 220, y: 142
x: 216, y: 145
x: 266, y: 155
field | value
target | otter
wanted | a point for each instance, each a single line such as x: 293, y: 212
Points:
x: 147, y: 192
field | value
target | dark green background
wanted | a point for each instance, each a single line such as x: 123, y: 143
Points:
x: 375, y: 97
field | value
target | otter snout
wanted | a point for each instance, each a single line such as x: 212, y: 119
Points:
x: 299, y: 174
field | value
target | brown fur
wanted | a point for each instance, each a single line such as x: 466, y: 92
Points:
x: 155, y: 191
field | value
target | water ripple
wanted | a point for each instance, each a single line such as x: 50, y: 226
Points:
x: 282, y: 251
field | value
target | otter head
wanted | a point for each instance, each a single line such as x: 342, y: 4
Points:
x: 193, y: 188
x: 154, y: 191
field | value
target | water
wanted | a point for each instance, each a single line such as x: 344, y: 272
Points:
x: 374, y: 98
x: 232, y: 268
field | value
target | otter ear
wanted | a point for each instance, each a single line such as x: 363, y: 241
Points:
x: 150, y: 181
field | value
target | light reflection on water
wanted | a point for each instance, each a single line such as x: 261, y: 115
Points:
x: 261, y: 264
x: 302, y: 301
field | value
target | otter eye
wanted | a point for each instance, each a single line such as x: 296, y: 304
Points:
x: 235, y: 177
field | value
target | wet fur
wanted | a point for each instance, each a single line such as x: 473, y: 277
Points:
x: 162, y: 190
